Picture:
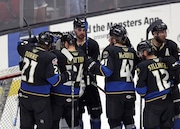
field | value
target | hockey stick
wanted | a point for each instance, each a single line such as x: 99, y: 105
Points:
x: 16, y: 116
x: 141, y: 117
x: 67, y: 54
x: 23, y: 35
x: 94, y: 84
x: 72, y: 94
x: 147, y: 32
x: 70, y: 58
x: 86, y: 28
x: 152, y: 26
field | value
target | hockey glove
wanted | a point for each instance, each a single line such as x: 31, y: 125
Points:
x: 21, y: 65
x: 32, y: 40
x: 91, y: 64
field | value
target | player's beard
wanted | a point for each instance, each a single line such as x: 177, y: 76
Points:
x: 81, y: 36
x: 159, y: 40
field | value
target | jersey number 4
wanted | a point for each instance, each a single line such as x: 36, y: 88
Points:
x: 126, y: 70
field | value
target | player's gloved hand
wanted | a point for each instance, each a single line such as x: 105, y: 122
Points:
x: 24, y: 42
x: 21, y: 65
x: 171, y: 62
x: 32, y: 40
x: 69, y: 75
x: 91, y: 64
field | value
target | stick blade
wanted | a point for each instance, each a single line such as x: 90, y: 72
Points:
x: 67, y: 54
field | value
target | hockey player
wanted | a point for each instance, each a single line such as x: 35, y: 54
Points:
x: 39, y: 73
x: 119, y: 62
x: 154, y: 86
x: 71, y: 59
x: 164, y: 48
x: 91, y: 97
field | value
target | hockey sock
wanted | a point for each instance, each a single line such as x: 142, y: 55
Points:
x: 81, y: 124
x: 118, y: 127
x: 132, y: 126
x: 95, y: 123
x: 176, y: 123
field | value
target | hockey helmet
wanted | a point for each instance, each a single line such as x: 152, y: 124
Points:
x: 79, y: 22
x: 158, y: 25
x: 144, y: 45
x: 118, y: 31
x: 69, y: 37
x: 45, y: 38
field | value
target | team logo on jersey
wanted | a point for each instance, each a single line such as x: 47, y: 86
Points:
x: 68, y: 100
x: 54, y: 61
x: 128, y: 96
x: 105, y: 54
x: 41, y: 121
